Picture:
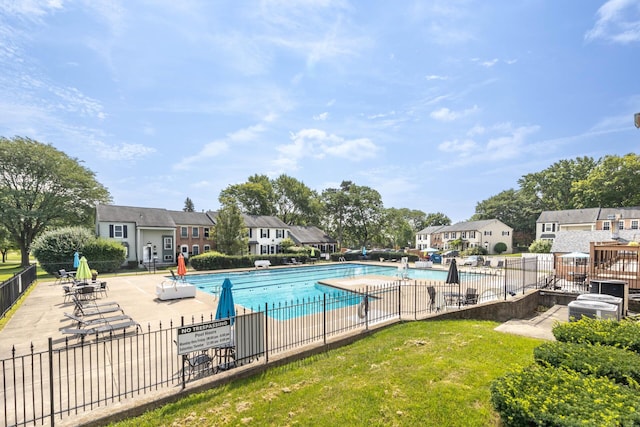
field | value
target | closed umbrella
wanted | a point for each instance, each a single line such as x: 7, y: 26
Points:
x: 364, y: 251
x: 76, y: 260
x: 313, y: 253
x: 453, y: 278
x: 83, y: 272
x: 226, y: 308
x: 182, y: 268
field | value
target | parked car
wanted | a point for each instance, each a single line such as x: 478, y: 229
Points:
x: 473, y: 260
x: 451, y: 254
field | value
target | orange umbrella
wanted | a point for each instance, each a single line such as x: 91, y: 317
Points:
x: 182, y: 269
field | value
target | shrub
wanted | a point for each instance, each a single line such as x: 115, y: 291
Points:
x: 620, y: 365
x: 540, y: 247
x: 539, y: 395
x: 105, y: 256
x: 500, y: 247
x: 622, y: 334
x: 54, y: 249
x: 219, y: 261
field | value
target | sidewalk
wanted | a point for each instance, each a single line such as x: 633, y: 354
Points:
x: 539, y: 326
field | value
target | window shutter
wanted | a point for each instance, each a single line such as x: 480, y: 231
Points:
x: 124, y: 231
x: 110, y: 230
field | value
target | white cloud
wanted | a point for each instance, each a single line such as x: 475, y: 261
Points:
x: 618, y: 22
x: 446, y: 115
x: 216, y: 148
x: 321, y: 117
x: 123, y: 152
x: 318, y: 144
x: 510, y: 145
x: 436, y: 77
x: 30, y: 8
x: 464, y: 148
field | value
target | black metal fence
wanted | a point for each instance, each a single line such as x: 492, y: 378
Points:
x: 77, y: 375
x: 12, y: 289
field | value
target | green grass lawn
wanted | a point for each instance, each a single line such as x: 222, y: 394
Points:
x: 421, y: 373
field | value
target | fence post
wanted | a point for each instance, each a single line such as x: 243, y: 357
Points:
x: 266, y: 333
x: 324, y: 318
x: 415, y: 299
x: 51, y: 398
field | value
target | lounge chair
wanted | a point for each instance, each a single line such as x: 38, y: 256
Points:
x: 82, y: 322
x: 96, y: 309
x: 101, y: 329
x: 471, y: 297
x: 295, y: 261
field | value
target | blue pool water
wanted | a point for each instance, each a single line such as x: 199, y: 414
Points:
x: 254, y: 288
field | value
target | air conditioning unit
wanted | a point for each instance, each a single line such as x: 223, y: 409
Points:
x: 593, y: 309
x: 609, y: 299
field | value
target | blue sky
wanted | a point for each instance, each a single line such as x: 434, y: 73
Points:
x: 436, y: 104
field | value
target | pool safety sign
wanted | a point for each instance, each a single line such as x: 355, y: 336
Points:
x: 203, y: 336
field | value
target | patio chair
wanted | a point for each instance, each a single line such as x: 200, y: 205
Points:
x: 66, y: 276
x: 68, y: 293
x: 86, y: 292
x: 432, y: 297
x: 295, y: 261
x: 471, y: 297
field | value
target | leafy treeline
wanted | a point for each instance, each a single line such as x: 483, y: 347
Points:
x: 610, y: 182
x: 353, y: 214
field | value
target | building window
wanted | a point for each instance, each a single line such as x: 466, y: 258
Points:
x: 184, y: 233
x: 206, y: 248
x: 634, y: 224
x: 250, y: 232
x: 487, y: 233
x: 195, y: 250
x: 195, y: 232
x: 446, y: 235
x: 463, y: 234
x: 620, y: 225
x: 279, y: 234
x: 472, y: 234
x: 118, y: 231
x: 264, y: 233
x: 606, y: 225
x: 168, y: 244
x: 206, y: 232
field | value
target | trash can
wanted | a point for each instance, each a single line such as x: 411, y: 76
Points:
x: 609, y: 299
x: 592, y: 309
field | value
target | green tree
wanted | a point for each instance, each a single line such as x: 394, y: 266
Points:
x: 551, y: 189
x: 188, y: 205
x: 364, y: 213
x: 254, y: 197
x: 612, y: 183
x: 6, y: 243
x: 514, y: 208
x: 286, y: 244
x: 335, y: 202
x: 398, y: 227
x: 540, y: 247
x: 41, y: 187
x: 295, y: 202
x: 437, y: 218
x: 230, y: 231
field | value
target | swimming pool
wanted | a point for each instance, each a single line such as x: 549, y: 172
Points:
x: 255, y: 288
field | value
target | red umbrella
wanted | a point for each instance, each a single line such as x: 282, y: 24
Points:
x: 182, y: 269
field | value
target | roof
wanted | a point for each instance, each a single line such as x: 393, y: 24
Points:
x: 628, y: 213
x: 304, y: 235
x: 431, y: 229
x: 191, y: 218
x: 579, y: 241
x: 263, y: 221
x: 472, y: 225
x: 570, y: 216
x: 142, y: 217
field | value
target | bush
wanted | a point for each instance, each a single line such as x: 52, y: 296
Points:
x: 105, y: 256
x: 218, y: 261
x: 540, y: 247
x: 54, y: 249
x: 620, y: 365
x: 549, y: 396
x: 622, y: 334
x: 500, y: 247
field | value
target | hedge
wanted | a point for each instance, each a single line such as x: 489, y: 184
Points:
x: 620, y: 365
x: 548, y: 396
x: 622, y: 334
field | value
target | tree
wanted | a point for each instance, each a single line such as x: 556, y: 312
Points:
x: 295, y: 202
x: 612, y: 183
x: 397, y: 229
x: 437, y: 218
x: 365, y: 212
x: 188, y: 205
x: 540, y: 247
x: 6, y: 244
x: 514, y: 208
x: 41, y: 187
x: 551, y: 189
x: 335, y: 202
x: 230, y: 230
x: 255, y: 197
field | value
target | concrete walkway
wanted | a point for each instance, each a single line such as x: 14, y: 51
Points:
x: 539, y: 326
